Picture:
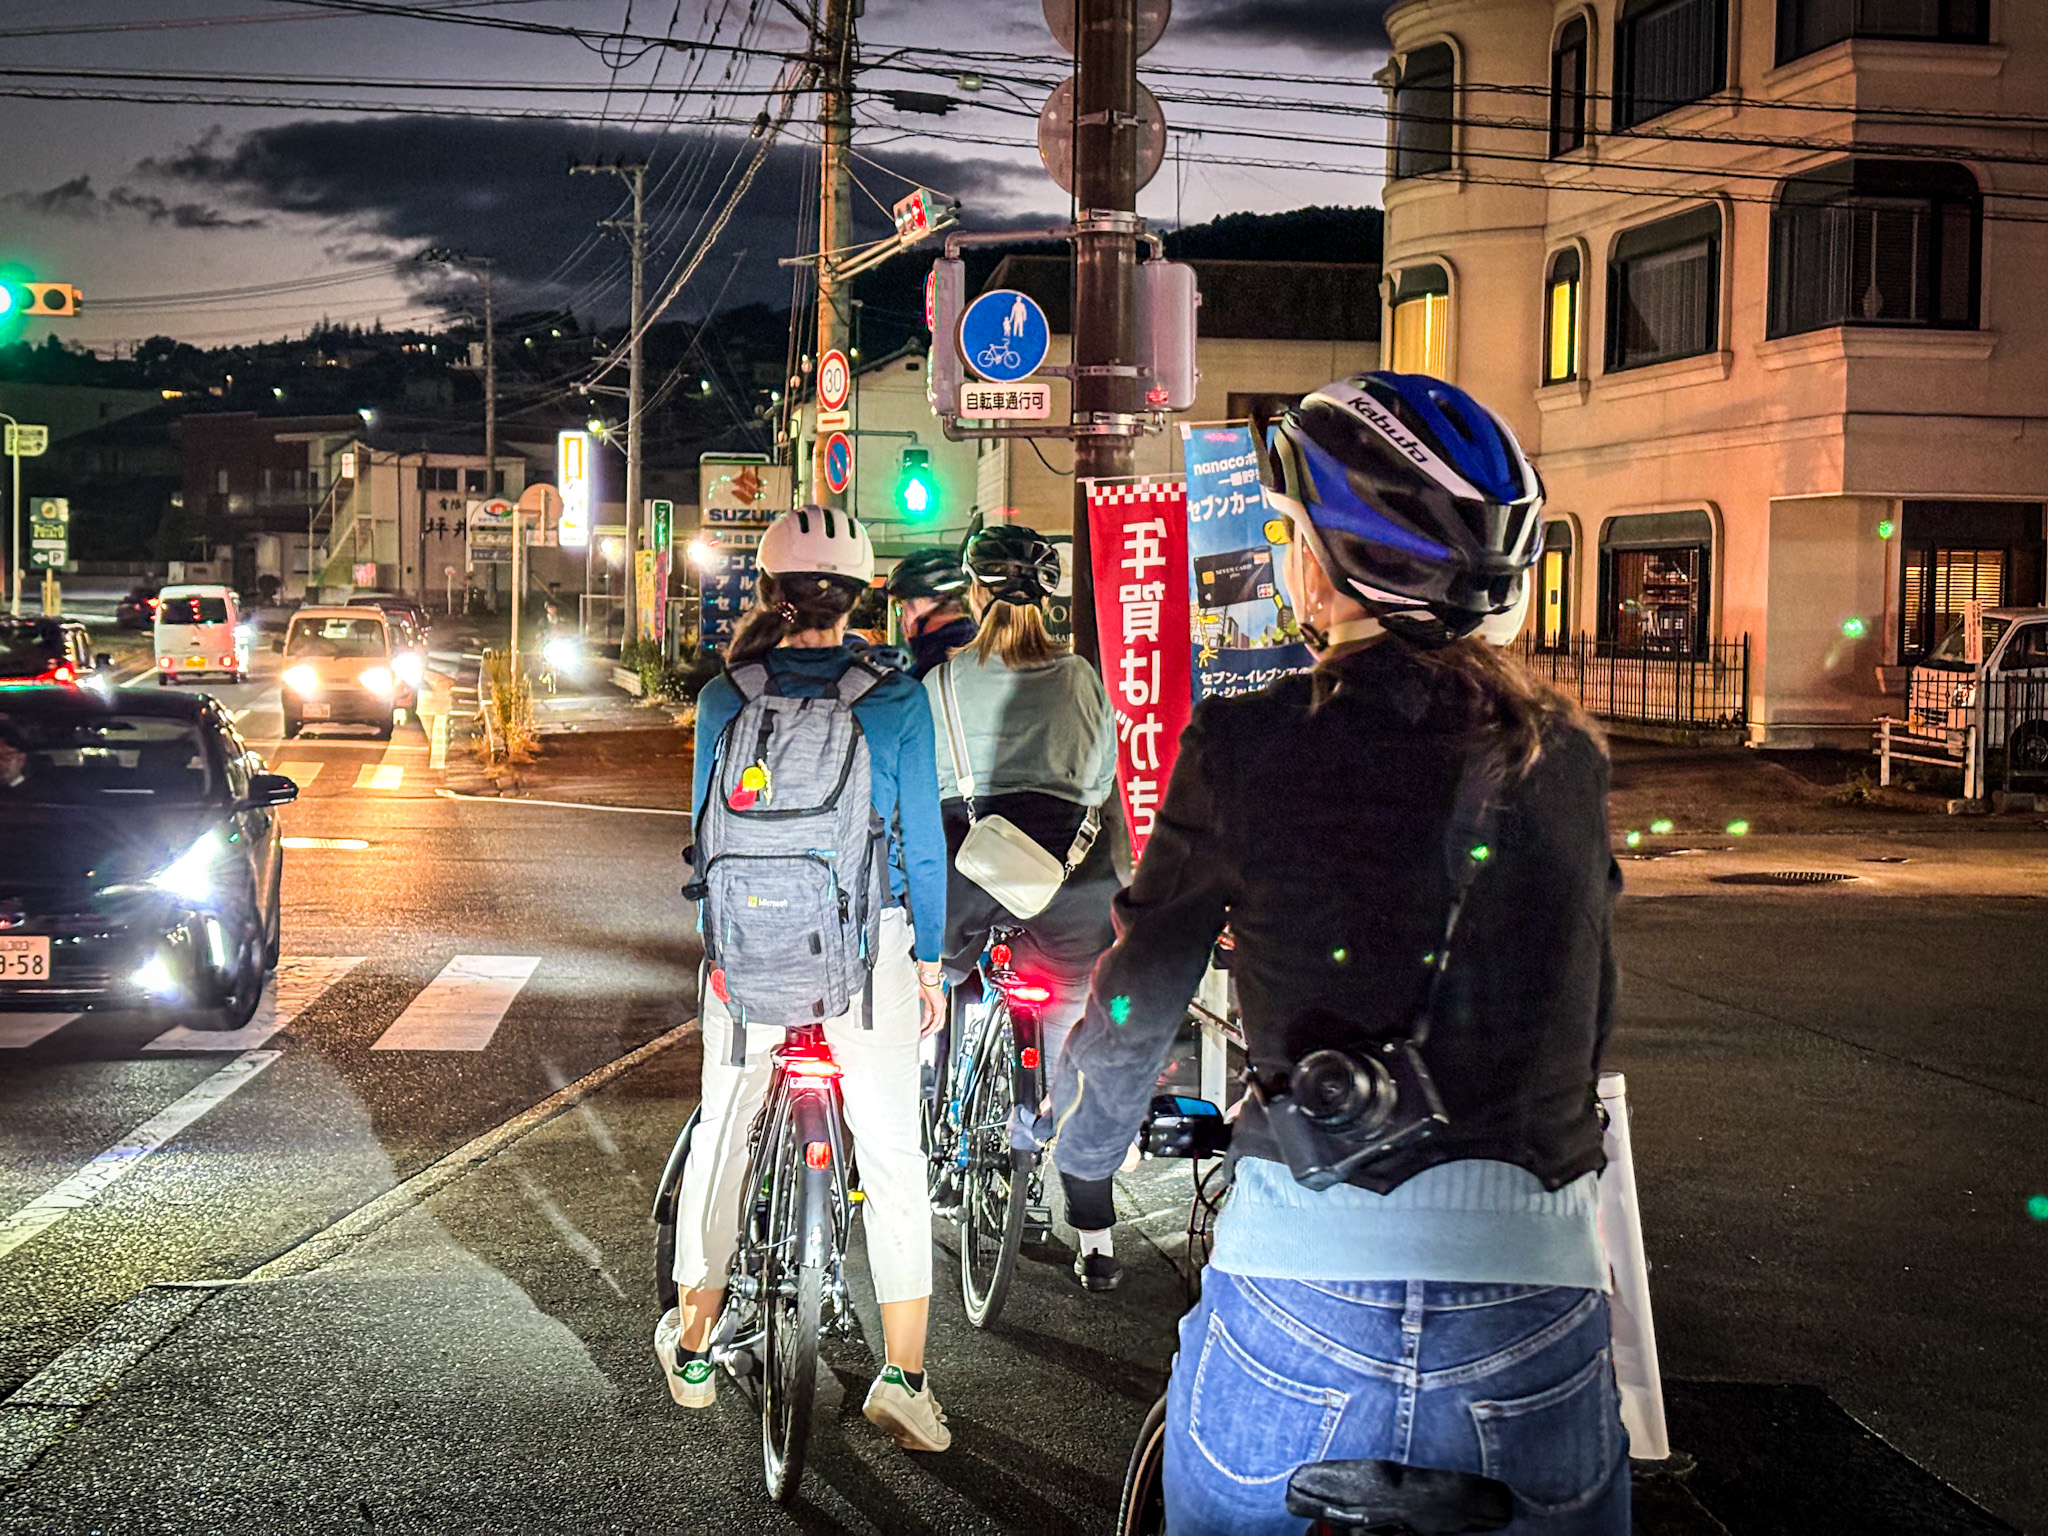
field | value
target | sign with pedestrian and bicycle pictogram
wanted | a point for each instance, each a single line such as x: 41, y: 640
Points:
x: 1004, y: 336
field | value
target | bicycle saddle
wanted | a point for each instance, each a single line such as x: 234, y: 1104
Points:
x: 1392, y: 1499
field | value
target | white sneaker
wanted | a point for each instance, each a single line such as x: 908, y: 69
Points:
x: 914, y: 1420
x: 693, y: 1384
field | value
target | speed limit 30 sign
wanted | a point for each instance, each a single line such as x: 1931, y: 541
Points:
x: 835, y: 379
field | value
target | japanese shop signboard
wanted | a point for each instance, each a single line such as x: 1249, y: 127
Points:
x: 1138, y: 547
x: 1244, y: 633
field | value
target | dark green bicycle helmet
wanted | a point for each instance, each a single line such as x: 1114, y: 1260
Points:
x: 928, y: 573
x: 1016, y: 564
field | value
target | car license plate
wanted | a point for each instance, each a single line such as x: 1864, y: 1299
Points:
x: 195, y: 661
x: 318, y: 711
x: 24, y: 958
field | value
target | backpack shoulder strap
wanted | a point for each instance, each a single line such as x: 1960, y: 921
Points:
x: 752, y: 679
x: 857, y: 681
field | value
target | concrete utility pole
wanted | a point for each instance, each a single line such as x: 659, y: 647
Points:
x: 483, y: 265
x: 1106, y: 138
x: 635, y: 229
x: 833, y: 49
x: 14, y: 504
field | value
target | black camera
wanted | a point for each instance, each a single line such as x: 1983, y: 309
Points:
x: 1179, y: 1126
x: 1343, y: 1109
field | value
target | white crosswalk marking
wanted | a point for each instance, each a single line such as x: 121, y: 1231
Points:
x: 24, y: 1029
x: 461, y: 1008
x: 380, y: 776
x: 299, y: 980
x: 121, y: 1159
x: 301, y: 771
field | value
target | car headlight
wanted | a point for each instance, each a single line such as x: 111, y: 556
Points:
x: 302, y: 679
x: 191, y: 873
x: 412, y: 668
x: 377, y: 680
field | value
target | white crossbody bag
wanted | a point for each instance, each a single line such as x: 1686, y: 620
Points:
x: 998, y: 855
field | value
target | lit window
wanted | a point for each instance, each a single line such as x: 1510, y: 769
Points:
x: 1568, y: 88
x: 1422, y: 322
x: 1561, y: 319
x: 1553, y: 588
x: 1667, y: 53
x: 1653, y: 583
x: 1664, y: 291
x: 1423, y: 102
x: 1876, y: 242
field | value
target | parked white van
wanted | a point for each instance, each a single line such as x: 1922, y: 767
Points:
x: 2004, y: 689
x: 198, y: 635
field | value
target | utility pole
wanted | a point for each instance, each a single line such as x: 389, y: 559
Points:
x: 14, y: 504
x: 1106, y: 137
x: 634, y: 173
x: 833, y: 50
x: 483, y: 264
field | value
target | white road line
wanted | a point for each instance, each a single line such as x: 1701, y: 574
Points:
x: 299, y: 980
x: 461, y: 1008
x: 24, y: 1029
x: 437, y: 737
x: 301, y: 771
x: 121, y: 1159
x: 560, y: 805
x: 380, y: 776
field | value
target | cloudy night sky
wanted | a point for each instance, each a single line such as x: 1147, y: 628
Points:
x: 289, y: 163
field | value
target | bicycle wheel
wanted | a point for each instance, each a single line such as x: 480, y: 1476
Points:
x: 1142, y: 1510
x: 792, y: 1300
x: 994, y: 1184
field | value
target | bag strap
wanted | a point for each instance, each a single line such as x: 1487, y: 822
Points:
x: 858, y: 680
x: 1467, y: 847
x: 949, y: 706
x: 1084, y: 839
x: 752, y: 679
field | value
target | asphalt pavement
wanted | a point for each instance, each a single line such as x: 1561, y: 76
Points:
x: 370, y: 1287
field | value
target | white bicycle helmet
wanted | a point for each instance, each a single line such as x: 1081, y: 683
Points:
x: 817, y: 541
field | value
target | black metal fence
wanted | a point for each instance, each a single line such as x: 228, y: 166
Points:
x: 1649, y: 687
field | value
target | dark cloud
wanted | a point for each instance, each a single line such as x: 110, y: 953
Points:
x: 1355, y: 27
x: 76, y: 199
x: 500, y: 187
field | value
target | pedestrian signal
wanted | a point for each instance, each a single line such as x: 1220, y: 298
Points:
x: 917, y: 493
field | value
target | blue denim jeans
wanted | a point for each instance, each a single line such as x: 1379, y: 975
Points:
x: 1513, y: 1381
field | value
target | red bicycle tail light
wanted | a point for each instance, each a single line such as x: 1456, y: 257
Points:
x: 999, y: 954
x: 1028, y: 1058
x: 818, y: 1154
x: 812, y: 1069
x: 1028, y: 992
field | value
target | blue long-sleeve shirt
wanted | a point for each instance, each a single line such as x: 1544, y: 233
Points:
x: 897, y: 722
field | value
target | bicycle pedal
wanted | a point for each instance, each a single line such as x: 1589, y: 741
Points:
x: 947, y: 1212
x: 736, y: 1362
x: 1038, y: 1220
x: 856, y: 1196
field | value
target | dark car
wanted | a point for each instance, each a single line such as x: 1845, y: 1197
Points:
x: 47, y: 651
x: 138, y: 609
x: 412, y: 608
x: 140, y: 862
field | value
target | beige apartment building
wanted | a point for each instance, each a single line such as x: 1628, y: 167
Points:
x: 1764, y: 285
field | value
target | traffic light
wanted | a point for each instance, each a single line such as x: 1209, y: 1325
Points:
x: 917, y: 493
x: 35, y: 298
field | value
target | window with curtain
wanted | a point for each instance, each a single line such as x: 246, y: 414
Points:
x: 1561, y: 318
x: 1664, y: 291
x: 1553, y: 588
x: 1805, y: 26
x: 1937, y: 581
x: 1423, y: 101
x: 1653, y: 583
x: 1667, y: 53
x: 1876, y: 242
x: 1422, y: 322
x: 1568, y: 88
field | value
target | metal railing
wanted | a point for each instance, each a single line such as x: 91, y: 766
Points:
x: 1993, y: 728
x: 1649, y: 687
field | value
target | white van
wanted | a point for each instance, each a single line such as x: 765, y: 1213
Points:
x: 197, y: 635
x: 2004, y: 690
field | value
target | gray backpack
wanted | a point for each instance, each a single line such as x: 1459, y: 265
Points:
x: 792, y: 861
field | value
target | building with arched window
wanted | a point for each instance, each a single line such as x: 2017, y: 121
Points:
x: 1763, y: 285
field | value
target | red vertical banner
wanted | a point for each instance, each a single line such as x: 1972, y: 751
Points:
x: 1138, y: 538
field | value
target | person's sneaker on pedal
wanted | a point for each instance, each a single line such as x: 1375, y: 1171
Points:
x: 691, y: 1381
x: 902, y: 1405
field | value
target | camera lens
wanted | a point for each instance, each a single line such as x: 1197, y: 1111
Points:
x: 1340, y: 1091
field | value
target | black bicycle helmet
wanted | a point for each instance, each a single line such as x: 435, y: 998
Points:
x: 1414, y: 497
x: 1016, y: 564
x: 928, y: 573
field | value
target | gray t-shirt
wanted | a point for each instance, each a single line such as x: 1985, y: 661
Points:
x: 1046, y: 730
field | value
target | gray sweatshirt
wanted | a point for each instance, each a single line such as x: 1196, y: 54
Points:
x: 1046, y: 729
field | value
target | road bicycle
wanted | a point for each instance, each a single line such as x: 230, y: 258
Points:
x: 981, y: 1098
x: 1376, y: 1498
x: 1005, y: 356
x: 787, y: 1283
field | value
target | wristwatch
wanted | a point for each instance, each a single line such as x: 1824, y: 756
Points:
x: 930, y: 973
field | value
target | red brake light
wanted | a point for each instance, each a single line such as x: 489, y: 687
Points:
x: 1028, y: 992
x: 812, y: 1069
x: 818, y: 1154
x: 1028, y: 1058
x: 999, y: 954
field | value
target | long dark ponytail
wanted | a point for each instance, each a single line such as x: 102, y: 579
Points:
x: 787, y: 605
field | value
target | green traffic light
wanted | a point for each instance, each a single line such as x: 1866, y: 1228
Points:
x: 6, y: 299
x: 917, y: 496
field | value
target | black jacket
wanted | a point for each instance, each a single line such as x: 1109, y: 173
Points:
x: 1317, y: 834
x: 934, y: 645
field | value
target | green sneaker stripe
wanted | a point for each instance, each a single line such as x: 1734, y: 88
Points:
x: 697, y: 1372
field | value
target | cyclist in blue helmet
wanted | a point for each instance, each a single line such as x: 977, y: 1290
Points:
x: 1410, y: 846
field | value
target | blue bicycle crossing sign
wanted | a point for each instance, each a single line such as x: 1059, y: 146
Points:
x: 1004, y: 336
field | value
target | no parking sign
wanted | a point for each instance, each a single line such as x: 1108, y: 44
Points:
x: 838, y: 463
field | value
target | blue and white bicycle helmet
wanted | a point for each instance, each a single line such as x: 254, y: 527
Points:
x: 1414, y: 497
